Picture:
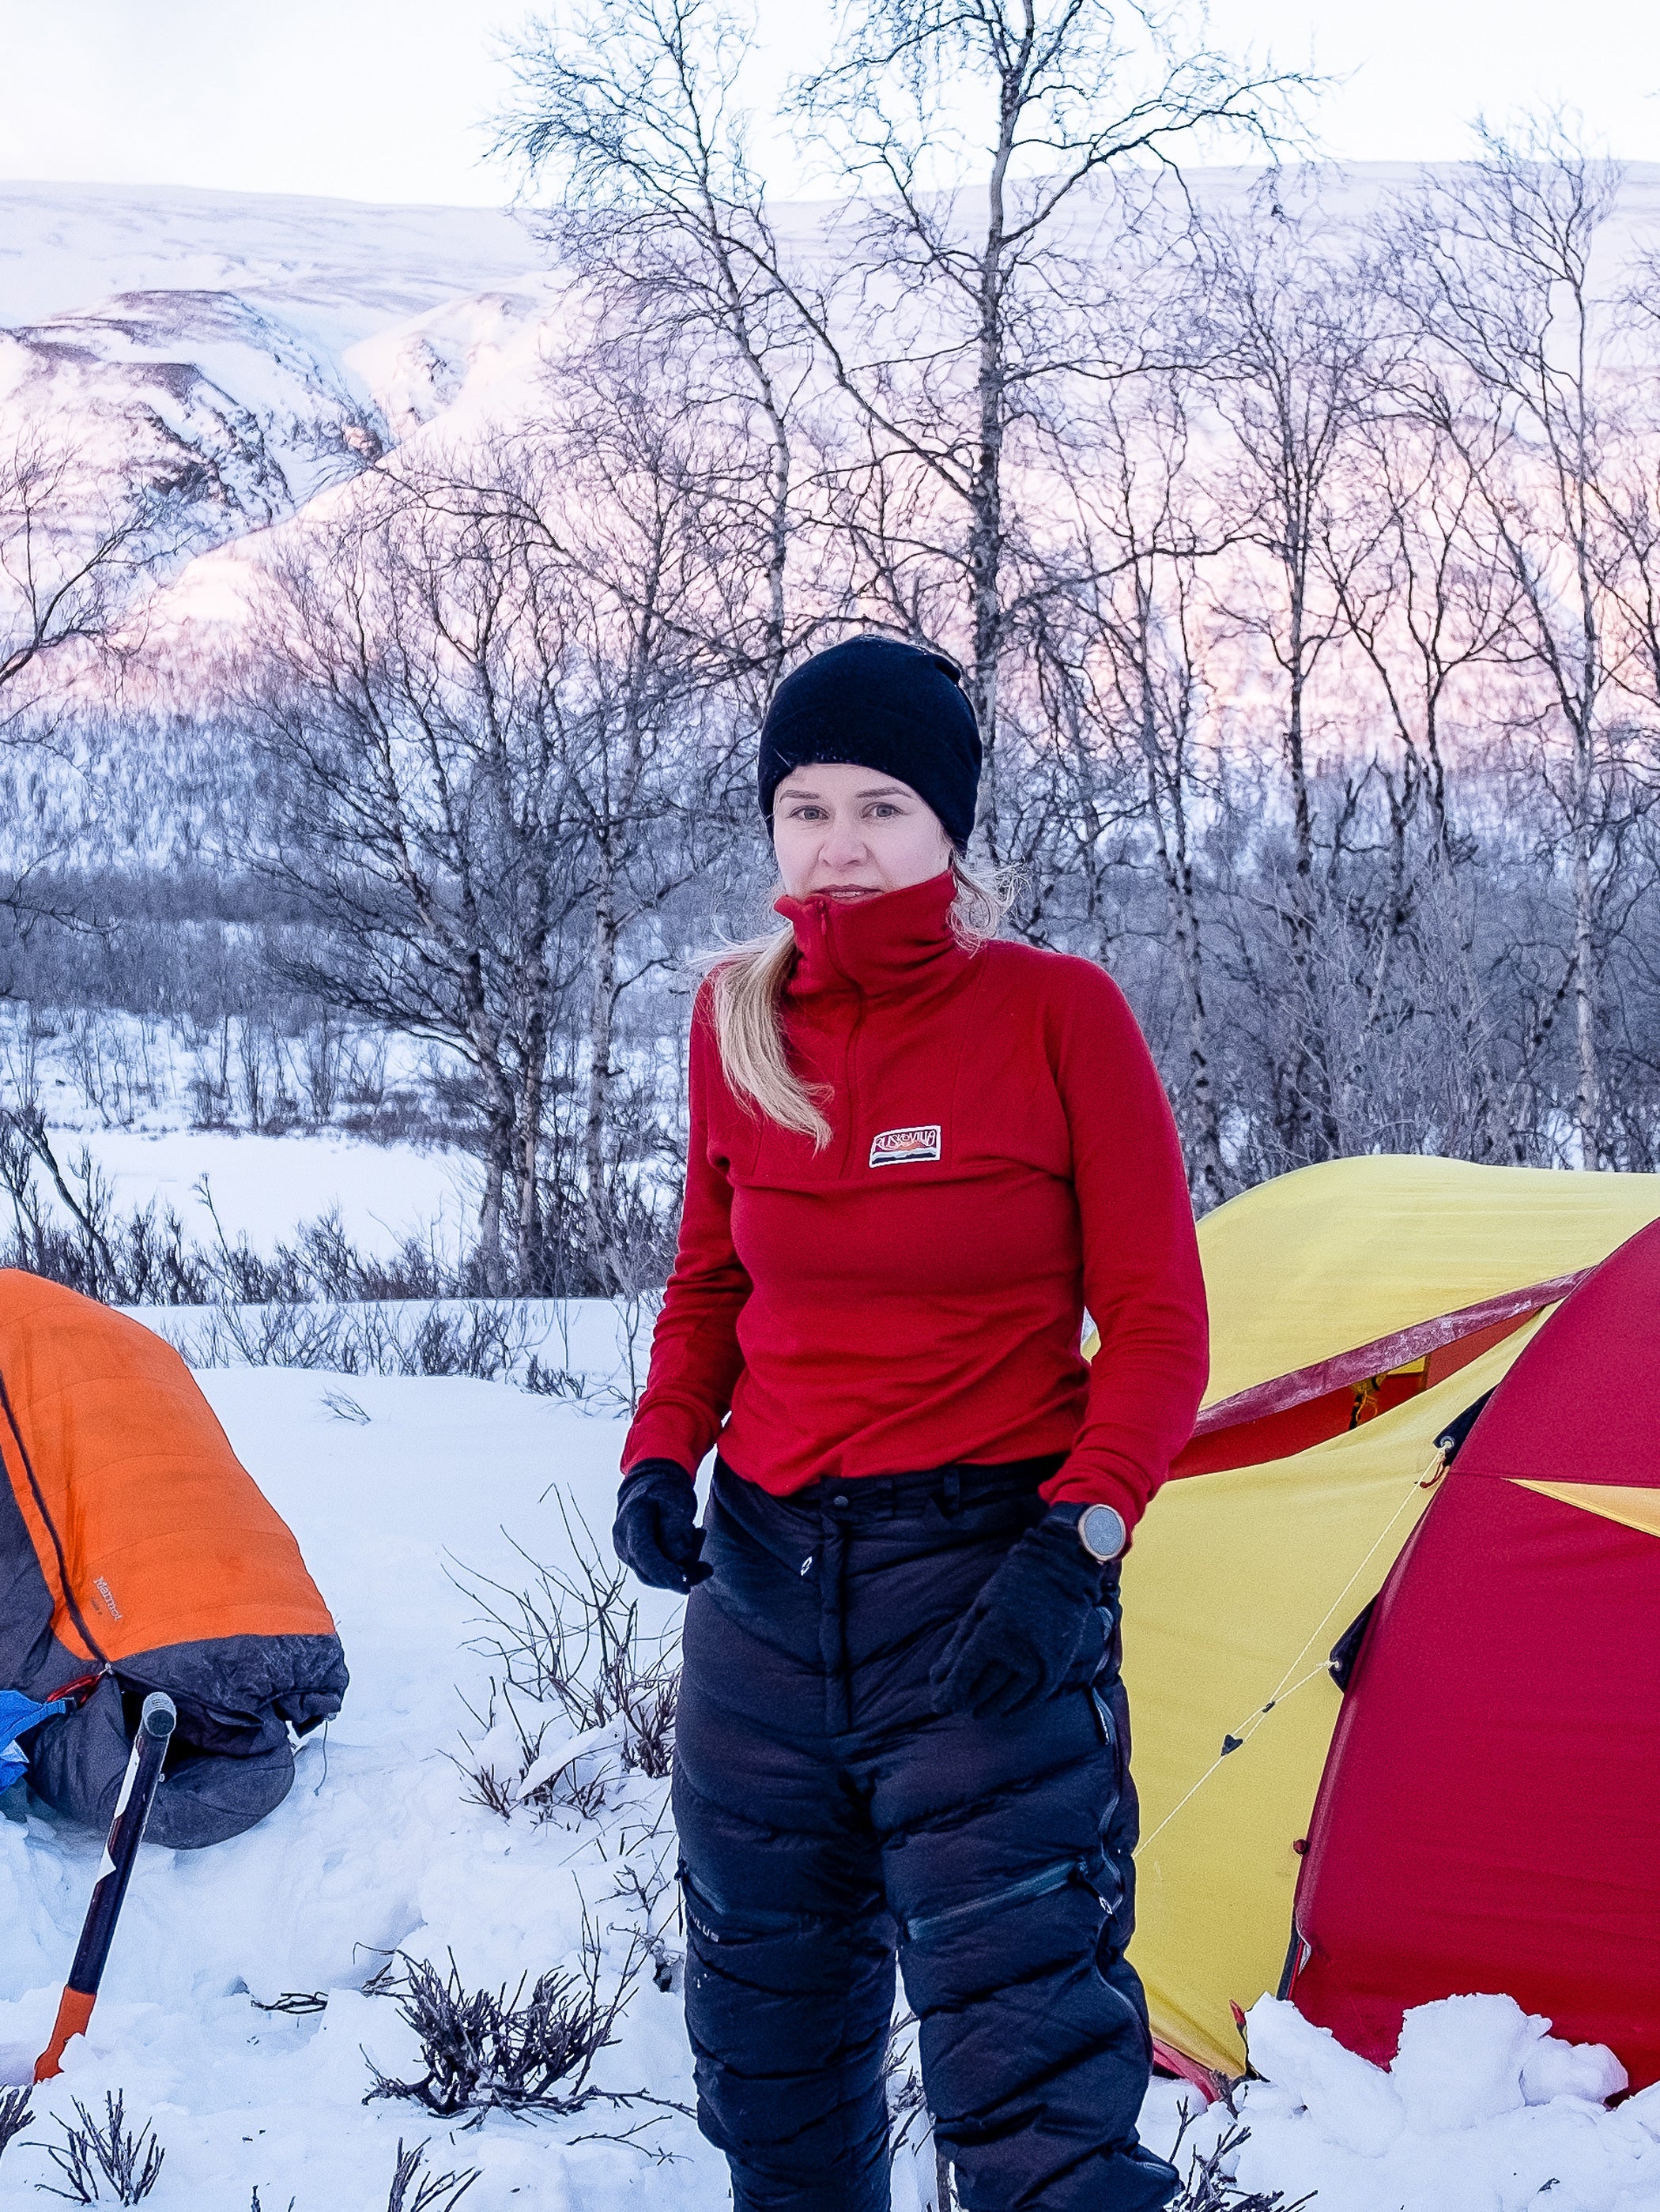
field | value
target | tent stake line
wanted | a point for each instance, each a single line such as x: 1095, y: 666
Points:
x: 1235, y: 1739
x: 133, y: 1812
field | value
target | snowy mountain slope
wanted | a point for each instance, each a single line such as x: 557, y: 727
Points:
x: 418, y: 370
x: 338, y: 270
x: 244, y: 353
x: 253, y: 351
x: 201, y: 394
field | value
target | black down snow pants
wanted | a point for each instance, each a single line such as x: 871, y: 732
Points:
x: 828, y: 1816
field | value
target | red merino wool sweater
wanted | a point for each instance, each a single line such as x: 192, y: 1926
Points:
x: 1002, y: 1157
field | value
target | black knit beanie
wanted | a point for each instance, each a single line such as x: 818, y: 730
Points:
x: 878, y: 703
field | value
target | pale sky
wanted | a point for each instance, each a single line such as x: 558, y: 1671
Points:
x: 381, y: 100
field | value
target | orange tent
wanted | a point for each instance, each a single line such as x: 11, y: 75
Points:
x: 136, y: 1551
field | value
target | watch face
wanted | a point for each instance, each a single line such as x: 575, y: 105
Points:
x: 1102, y: 1531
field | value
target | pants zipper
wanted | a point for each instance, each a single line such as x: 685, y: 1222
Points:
x: 1044, y: 1883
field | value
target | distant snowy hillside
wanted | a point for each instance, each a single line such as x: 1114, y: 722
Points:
x: 251, y: 350
x: 247, y: 351
x: 338, y: 269
x: 200, y: 393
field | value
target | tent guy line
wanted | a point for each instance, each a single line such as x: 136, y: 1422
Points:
x: 1235, y: 1739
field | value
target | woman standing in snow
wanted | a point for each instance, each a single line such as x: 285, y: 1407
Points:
x: 917, y: 1155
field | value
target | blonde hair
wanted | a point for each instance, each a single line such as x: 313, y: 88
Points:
x: 746, y: 987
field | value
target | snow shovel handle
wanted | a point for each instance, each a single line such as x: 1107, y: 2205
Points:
x: 132, y: 1811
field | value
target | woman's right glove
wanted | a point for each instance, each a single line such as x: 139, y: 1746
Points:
x: 656, y: 1530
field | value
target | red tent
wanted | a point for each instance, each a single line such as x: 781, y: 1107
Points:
x: 1489, y: 1816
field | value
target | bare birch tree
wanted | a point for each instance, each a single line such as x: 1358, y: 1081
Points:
x: 653, y: 510
x: 412, y: 686
x: 632, y: 114
x: 956, y: 319
x: 69, y: 560
x: 1410, y: 557
x: 1135, y: 648
x: 1291, y: 329
x: 1494, y: 267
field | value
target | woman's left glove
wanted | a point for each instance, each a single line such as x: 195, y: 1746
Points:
x: 1021, y: 1639
x: 656, y: 1530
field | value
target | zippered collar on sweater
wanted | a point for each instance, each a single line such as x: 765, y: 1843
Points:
x: 897, y: 944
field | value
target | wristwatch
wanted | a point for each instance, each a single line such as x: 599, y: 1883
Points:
x: 1101, y: 1532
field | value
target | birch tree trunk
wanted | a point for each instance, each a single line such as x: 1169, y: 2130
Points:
x: 602, y: 1006
x: 1587, y: 1093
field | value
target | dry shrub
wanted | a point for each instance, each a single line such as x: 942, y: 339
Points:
x: 485, y: 2051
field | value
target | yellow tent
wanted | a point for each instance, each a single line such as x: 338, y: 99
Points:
x: 1322, y: 1285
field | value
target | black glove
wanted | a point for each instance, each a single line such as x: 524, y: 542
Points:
x: 1021, y: 1638
x: 656, y: 1530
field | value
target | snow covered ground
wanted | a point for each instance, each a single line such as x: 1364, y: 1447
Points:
x: 264, y: 1186
x: 1482, y: 2111
x: 374, y: 1850
x: 392, y: 1487
x: 132, y: 1094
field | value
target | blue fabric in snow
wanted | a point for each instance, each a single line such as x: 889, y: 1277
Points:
x: 18, y: 1714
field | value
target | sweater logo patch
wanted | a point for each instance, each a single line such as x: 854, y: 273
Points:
x: 901, y: 1147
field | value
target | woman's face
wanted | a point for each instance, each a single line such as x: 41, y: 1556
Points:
x: 843, y: 832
